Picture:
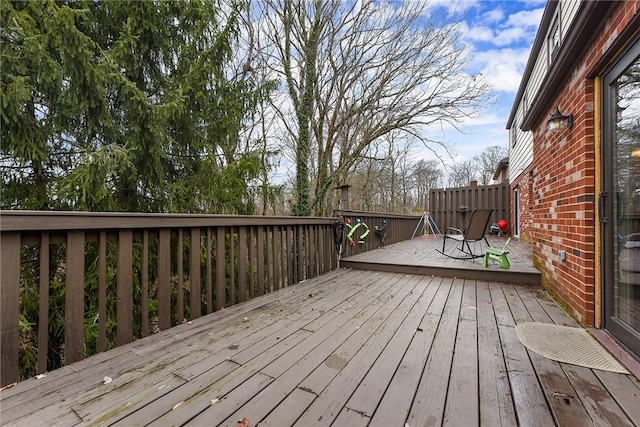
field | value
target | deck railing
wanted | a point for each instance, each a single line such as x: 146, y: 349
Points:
x: 75, y: 283
x: 384, y: 229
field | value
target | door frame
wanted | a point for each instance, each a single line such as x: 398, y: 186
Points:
x: 516, y: 212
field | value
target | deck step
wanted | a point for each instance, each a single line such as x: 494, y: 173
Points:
x: 423, y: 256
x: 471, y: 271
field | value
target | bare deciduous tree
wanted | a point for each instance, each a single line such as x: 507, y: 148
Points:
x: 487, y: 162
x: 355, y: 72
x: 462, y: 173
x: 427, y: 175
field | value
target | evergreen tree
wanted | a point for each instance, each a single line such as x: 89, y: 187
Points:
x: 122, y: 105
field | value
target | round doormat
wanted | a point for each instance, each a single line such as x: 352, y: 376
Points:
x: 568, y: 345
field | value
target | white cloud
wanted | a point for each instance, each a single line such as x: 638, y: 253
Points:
x: 454, y: 7
x: 503, y: 67
x: 495, y: 15
x: 526, y: 18
x: 477, y: 33
x: 520, y: 27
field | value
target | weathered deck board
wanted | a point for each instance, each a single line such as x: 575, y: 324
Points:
x: 557, y: 388
x: 463, y: 393
x: 528, y: 397
x: 624, y: 389
x: 351, y: 347
x: 496, y: 405
x: 429, y: 401
x: 366, y: 397
x: 396, y: 401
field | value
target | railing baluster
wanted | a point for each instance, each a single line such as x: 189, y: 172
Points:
x: 232, y: 266
x: 289, y: 255
x: 9, y: 307
x: 102, y: 291
x: 279, y: 283
x: 179, y: 288
x: 313, y: 230
x: 307, y: 252
x: 208, y: 272
x: 252, y: 261
x: 180, y: 276
x: 221, y: 284
x: 74, y: 298
x: 242, y: 263
x: 164, y: 279
x: 270, y: 259
x: 194, y: 273
x: 260, y: 271
x: 43, y: 315
x: 125, y: 287
x: 320, y: 248
x: 144, y: 285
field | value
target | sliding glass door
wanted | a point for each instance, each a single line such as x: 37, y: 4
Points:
x: 620, y: 200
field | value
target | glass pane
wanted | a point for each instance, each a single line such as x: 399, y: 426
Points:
x: 627, y: 200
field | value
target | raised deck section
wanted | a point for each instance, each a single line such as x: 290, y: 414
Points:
x: 421, y: 256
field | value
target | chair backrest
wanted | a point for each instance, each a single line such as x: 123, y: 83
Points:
x: 478, y: 224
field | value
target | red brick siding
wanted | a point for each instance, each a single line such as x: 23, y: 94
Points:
x: 562, y: 212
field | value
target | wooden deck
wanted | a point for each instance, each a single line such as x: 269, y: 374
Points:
x: 349, y: 348
x: 421, y: 256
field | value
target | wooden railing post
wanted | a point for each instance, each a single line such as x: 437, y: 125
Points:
x: 164, y: 279
x: 221, y: 281
x: 9, y: 307
x: 102, y: 291
x: 43, y: 312
x: 125, y: 287
x: 74, y: 298
x: 194, y: 273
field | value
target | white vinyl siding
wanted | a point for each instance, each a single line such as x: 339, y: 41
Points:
x: 521, y: 154
x: 569, y: 12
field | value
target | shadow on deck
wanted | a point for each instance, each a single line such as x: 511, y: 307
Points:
x: 349, y: 348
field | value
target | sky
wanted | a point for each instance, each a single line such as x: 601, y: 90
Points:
x: 499, y: 35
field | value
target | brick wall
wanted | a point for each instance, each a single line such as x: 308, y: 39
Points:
x: 563, y: 184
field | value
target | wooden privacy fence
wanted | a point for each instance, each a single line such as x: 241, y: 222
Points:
x: 445, y: 204
x: 75, y: 283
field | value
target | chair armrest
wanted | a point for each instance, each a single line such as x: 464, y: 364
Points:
x: 457, y: 230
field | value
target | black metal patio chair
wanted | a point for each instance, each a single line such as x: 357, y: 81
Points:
x: 475, y: 232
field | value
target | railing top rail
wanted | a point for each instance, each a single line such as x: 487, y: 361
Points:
x: 469, y: 187
x: 66, y: 220
x: 375, y: 214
